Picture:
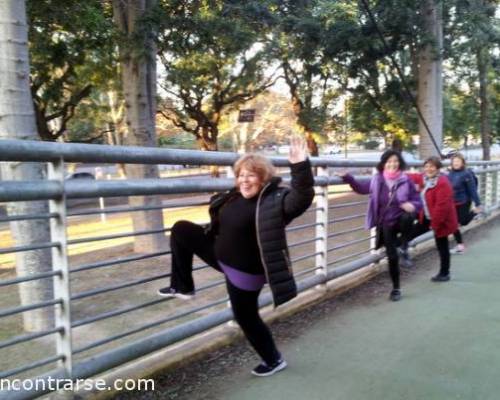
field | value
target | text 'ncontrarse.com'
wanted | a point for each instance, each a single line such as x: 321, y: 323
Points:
x: 53, y: 384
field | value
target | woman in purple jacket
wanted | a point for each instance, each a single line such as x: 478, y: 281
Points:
x: 392, y: 208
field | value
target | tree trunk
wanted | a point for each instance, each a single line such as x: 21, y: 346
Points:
x: 312, y: 146
x: 430, y: 82
x: 208, y: 142
x: 482, y: 66
x: 139, y: 89
x: 17, y: 121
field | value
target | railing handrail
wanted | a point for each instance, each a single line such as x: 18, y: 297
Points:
x: 39, y: 151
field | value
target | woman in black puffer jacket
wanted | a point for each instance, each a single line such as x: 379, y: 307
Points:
x: 246, y: 241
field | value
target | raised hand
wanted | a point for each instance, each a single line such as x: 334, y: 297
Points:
x: 298, y: 150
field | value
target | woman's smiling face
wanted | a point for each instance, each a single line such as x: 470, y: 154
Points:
x: 392, y: 164
x: 248, y: 183
x: 430, y: 170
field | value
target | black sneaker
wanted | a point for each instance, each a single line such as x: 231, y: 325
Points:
x: 395, y: 295
x: 265, y: 370
x: 171, y: 292
x: 440, y: 278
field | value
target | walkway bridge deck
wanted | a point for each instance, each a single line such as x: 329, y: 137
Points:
x: 440, y: 342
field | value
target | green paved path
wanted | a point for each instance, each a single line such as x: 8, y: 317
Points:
x: 442, y: 341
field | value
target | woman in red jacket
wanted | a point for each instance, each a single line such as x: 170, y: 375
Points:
x: 438, y: 212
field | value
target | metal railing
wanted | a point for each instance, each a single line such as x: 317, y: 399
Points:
x: 327, y: 242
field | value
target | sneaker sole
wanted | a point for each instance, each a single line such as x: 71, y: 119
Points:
x: 177, y: 295
x: 280, y: 367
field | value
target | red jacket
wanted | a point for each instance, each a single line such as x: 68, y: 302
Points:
x: 439, y: 200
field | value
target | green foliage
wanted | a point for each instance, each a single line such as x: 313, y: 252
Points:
x: 71, y: 49
x: 214, y: 56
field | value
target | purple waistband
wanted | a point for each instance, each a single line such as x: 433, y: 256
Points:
x: 243, y: 280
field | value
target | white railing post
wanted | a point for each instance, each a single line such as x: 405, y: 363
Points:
x: 373, y: 231
x: 321, y: 231
x: 60, y: 263
x: 230, y: 174
x: 488, y: 197
x: 497, y: 197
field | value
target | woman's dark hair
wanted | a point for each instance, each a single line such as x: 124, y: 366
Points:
x: 434, y: 161
x: 388, y: 154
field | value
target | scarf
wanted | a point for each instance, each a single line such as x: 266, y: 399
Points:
x: 391, y: 177
x: 429, y: 183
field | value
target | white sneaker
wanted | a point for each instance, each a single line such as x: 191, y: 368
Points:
x: 458, y: 249
x: 171, y: 292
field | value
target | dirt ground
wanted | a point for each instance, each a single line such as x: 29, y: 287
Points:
x: 201, y: 379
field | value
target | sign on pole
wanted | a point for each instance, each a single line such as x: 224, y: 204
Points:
x: 246, y: 115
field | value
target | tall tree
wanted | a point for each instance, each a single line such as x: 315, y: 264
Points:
x: 138, y: 64
x: 214, y: 56
x: 71, y: 45
x: 17, y: 121
x: 312, y: 43
x: 430, y: 78
x: 475, y: 36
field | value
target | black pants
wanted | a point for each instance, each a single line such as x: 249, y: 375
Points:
x: 188, y: 239
x: 465, y: 215
x: 392, y: 237
x: 442, y: 245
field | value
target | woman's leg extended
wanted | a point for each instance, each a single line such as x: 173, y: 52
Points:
x: 406, y: 223
x: 188, y: 239
x: 458, y: 236
x: 246, y: 313
x: 464, y: 213
x: 391, y: 242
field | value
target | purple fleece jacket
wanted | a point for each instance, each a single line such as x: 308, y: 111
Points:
x: 379, y: 196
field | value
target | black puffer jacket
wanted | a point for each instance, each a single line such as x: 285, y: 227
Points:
x: 276, y: 207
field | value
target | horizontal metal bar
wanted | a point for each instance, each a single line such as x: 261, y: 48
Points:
x: 348, y: 244
x: 149, y: 326
x: 304, y: 257
x: 17, y: 310
x: 116, y: 210
x: 349, y: 267
x: 109, y: 263
x: 306, y: 271
x: 115, y: 313
x: 348, y: 218
x: 349, y: 256
x: 74, y: 189
x: 30, y: 247
x: 112, y: 288
x: 335, y: 234
x: 140, y: 187
x: 26, y: 217
x: 354, y: 203
x: 28, y: 278
x: 296, y: 244
x: 29, y: 150
x: 299, y: 227
x: 34, y: 365
x: 29, y: 337
x: 30, y: 190
x: 117, y: 236
x: 125, y: 310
